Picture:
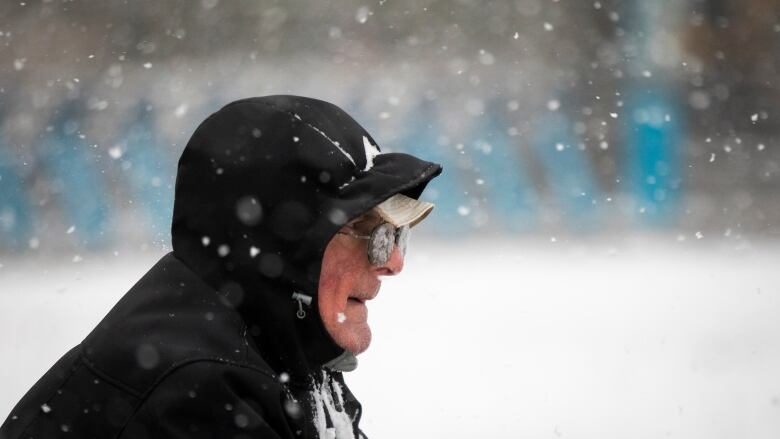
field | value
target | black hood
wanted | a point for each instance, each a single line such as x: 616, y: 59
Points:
x: 262, y: 186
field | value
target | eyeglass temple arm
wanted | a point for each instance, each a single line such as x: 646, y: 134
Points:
x: 354, y: 235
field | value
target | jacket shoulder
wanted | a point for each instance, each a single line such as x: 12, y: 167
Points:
x: 210, y: 398
x: 70, y: 400
x: 169, y: 318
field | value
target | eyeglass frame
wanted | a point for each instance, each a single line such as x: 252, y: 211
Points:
x: 399, y: 234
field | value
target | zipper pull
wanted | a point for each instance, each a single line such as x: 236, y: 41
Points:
x: 301, y: 298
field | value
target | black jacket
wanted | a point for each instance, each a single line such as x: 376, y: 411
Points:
x: 208, y: 344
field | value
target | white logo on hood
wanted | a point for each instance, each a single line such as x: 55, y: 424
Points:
x: 371, y: 152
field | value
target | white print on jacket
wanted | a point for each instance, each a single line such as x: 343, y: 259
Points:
x: 371, y: 152
x: 370, y: 149
x: 333, y: 142
x: 325, y: 407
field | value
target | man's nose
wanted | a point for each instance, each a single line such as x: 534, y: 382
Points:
x: 394, y: 264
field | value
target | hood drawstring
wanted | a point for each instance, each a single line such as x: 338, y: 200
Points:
x: 301, y: 298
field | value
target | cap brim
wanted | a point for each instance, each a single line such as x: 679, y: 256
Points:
x: 400, y: 210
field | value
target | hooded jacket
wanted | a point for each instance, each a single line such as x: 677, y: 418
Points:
x: 222, y: 337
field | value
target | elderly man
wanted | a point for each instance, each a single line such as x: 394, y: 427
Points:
x: 286, y: 216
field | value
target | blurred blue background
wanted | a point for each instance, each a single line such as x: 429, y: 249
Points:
x: 554, y: 117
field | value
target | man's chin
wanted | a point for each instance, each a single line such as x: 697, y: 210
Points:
x: 358, y: 343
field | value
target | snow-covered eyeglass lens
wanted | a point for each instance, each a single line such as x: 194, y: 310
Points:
x: 381, y: 241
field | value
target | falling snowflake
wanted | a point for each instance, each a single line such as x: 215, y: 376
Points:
x: 115, y: 152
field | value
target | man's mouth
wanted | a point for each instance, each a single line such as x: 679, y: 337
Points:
x: 363, y: 297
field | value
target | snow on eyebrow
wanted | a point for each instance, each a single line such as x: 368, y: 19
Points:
x: 336, y: 144
x: 371, y: 152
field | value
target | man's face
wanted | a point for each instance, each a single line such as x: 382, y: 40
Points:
x: 348, y: 280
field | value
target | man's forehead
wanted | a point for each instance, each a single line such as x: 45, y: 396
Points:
x: 370, y: 215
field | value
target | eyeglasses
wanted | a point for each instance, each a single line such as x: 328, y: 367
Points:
x: 382, y: 240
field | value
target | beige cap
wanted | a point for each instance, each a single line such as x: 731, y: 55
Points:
x: 400, y: 210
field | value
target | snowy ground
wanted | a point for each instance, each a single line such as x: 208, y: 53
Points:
x: 643, y: 338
